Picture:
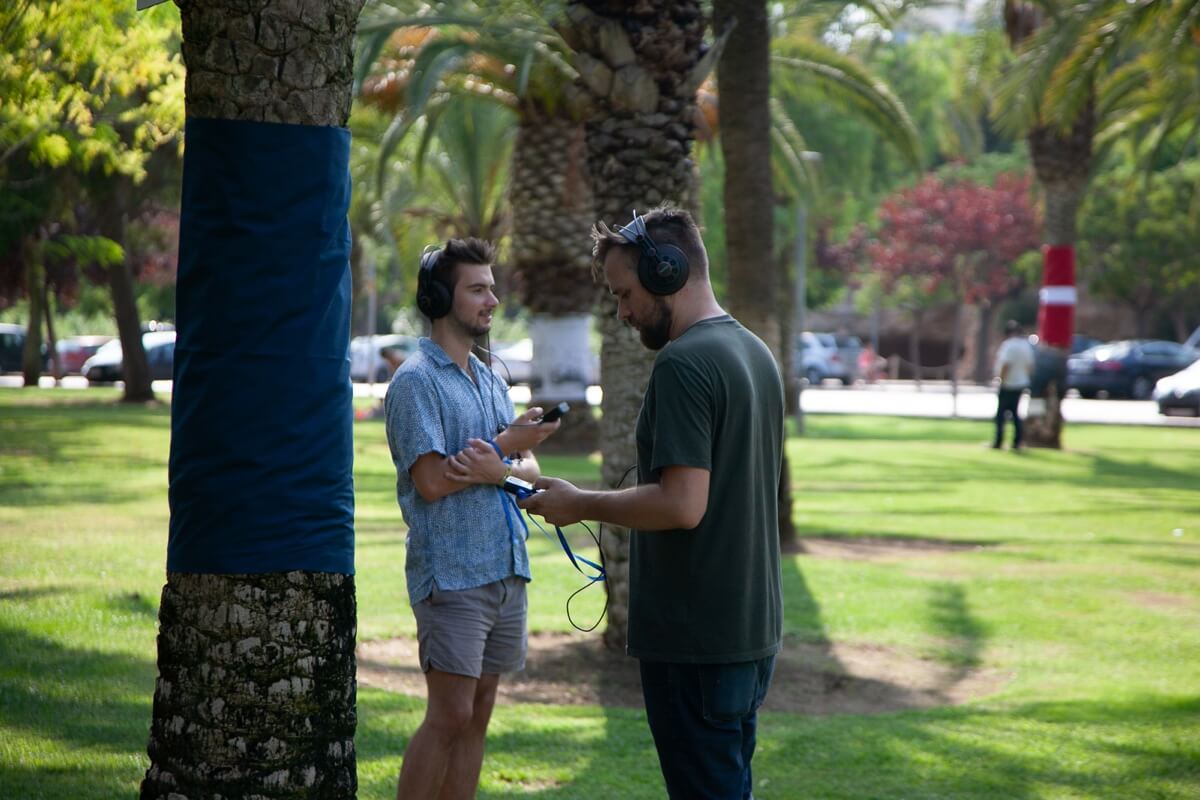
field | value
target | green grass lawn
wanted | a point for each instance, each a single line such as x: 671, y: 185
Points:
x: 1084, y: 592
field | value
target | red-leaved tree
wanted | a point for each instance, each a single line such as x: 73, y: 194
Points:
x: 941, y: 241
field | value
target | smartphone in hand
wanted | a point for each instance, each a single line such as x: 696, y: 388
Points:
x: 556, y: 412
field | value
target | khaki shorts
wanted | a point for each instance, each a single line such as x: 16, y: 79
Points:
x: 474, y: 631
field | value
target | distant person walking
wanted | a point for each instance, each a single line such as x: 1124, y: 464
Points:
x: 1014, y: 366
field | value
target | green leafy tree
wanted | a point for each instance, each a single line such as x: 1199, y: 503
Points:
x: 1139, y: 236
x: 91, y: 91
x: 420, y: 60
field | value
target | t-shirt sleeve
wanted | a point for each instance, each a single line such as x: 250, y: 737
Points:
x: 999, y: 362
x: 680, y: 405
x: 413, y: 419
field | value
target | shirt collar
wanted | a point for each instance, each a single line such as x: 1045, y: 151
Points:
x: 435, y: 352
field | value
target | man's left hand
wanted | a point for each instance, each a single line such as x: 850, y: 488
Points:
x: 559, y: 502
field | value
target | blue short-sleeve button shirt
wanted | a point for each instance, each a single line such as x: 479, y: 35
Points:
x: 474, y: 536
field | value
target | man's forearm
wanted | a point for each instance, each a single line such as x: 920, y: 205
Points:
x: 646, y: 508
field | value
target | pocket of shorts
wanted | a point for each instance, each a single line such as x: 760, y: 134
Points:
x: 728, y: 691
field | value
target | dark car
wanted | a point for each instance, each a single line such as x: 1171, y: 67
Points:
x: 1045, y: 359
x: 1126, y: 369
x: 12, y: 345
x: 106, y: 365
x: 12, y: 348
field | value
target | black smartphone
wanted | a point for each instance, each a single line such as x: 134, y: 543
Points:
x: 555, y: 413
x: 518, y: 487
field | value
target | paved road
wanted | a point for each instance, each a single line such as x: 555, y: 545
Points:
x: 899, y: 398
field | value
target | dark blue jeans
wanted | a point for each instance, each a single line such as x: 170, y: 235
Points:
x: 704, y: 719
x: 1007, y: 401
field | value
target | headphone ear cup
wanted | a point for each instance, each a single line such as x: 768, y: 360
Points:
x: 433, y: 299
x: 663, y: 271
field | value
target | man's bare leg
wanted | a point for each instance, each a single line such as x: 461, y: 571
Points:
x: 450, y: 710
x: 466, y: 759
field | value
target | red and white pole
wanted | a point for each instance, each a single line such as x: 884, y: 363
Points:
x: 1056, y: 300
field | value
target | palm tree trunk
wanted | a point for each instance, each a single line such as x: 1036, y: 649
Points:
x: 744, y: 85
x: 638, y: 71
x: 256, y: 688
x: 252, y: 697
x: 552, y: 216
x: 1062, y: 161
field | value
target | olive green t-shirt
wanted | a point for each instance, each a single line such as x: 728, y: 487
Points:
x: 711, y: 594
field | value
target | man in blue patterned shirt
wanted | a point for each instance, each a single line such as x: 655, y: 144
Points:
x: 449, y: 431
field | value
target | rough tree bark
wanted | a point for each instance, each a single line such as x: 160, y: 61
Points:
x: 552, y: 217
x: 256, y: 690
x: 744, y: 86
x: 640, y: 65
x: 135, y: 368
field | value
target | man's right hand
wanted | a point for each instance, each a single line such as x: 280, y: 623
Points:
x: 525, y: 433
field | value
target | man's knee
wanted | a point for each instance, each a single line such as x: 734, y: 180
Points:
x: 450, y: 720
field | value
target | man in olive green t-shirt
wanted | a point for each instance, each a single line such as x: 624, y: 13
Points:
x: 705, y: 606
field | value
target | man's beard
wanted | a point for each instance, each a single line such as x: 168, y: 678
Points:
x: 657, y: 332
x: 472, y: 327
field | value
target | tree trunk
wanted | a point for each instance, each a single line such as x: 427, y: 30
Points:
x: 983, y: 343
x: 955, y: 345
x: 914, y: 347
x: 1062, y: 161
x: 638, y: 72
x: 51, y: 340
x: 552, y: 217
x: 562, y: 369
x: 135, y: 370
x: 256, y: 694
x: 743, y: 82
x: 35, y: 271
x: 1179, y: 323
x: 744, y: 86
x: 252, y: 698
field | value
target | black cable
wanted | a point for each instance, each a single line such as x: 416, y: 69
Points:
x: 599, y: 540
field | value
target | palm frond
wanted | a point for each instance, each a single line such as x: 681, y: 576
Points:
x: 849, y: 82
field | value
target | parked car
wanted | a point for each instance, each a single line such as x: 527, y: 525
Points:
x: 820, y: 359
x: 366, y: 355
x: 1179, y: 391
x: 1126, y: 369
x: 1044, y: 361
x: 106, y: 365
x: 12, y: 348
x: 849, y: 348
x: 74, y: 350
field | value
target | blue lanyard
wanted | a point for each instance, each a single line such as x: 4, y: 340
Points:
x: 562, y: 540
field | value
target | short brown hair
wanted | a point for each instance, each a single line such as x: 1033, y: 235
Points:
x: 461, y: 251
x: 666, y: 224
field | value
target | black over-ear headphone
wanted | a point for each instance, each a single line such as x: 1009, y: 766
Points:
x: 662, y: 269
x: 434, y: 297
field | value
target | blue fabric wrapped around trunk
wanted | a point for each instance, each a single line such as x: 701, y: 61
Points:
x: 261, y: 418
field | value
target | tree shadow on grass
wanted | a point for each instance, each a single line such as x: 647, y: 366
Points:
x: 967, y: 752
x: 82, y: 699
